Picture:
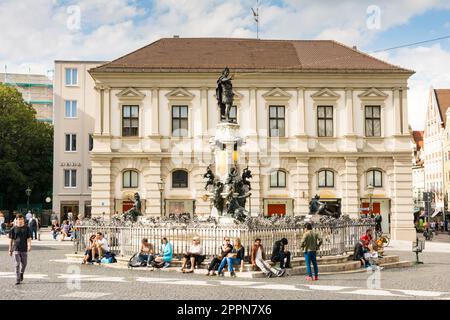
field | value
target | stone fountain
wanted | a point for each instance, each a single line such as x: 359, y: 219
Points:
x: 228, y: 188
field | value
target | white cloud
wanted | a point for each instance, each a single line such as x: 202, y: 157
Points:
x: 432, y: 66
x: 111, y: 28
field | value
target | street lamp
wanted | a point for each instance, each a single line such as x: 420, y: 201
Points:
x: 161, y: 189
x: 370, y: 194
x: 28, y: 193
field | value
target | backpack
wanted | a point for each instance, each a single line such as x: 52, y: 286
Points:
x: 111, y: 257
x: 134, y: 261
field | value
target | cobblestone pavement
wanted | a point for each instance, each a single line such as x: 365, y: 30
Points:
x: 46, y: 278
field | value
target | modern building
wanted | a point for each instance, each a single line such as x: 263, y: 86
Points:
x: 434, y: 154
x: 418, y: 171
x: 318, y: 118
x: 74, y: 98
x: 36, y: 89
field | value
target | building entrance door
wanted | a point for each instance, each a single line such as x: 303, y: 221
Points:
x: 127, y: 205
x: 276, y: 209
x: 67, y: 207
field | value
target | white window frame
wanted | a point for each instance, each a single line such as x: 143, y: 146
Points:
x: 325, y: 172
x: 71, y: 107
x: 71, y: 174
x: 70, y: 142
x: 131, y: 179
x: 71, y: 84
x: 277, y: 172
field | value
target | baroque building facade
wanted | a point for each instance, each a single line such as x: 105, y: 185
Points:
x: 317, y: 118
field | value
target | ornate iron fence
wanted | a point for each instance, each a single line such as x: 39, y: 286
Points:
x: 125, y: 241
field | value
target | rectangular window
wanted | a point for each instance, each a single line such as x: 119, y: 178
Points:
x: 71, y: 108
x: 89, y: 173
x: 130, y: 121
x: 71, y: 76
x: 179, y: 121
x: 91, y: 142
x: 276, y: 121
x: 70, y: 178
x: 325, y: 121
x: 373, y: 121
x: 71, y: 142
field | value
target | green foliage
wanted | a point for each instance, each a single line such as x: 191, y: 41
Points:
x: 26, y: 150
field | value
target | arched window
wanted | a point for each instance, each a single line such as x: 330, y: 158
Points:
x: 326, y: 179
x: 278, y: 179
x: 375, y: 178
x: 130, y: 179
x: 179, y: 179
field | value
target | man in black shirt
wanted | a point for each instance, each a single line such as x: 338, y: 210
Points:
x: 19, y: 245
x: 280, y: 254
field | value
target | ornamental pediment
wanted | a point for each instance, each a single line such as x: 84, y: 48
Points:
x: 278, y: 94
x: 325, y: 94
x: 180, y: 94
x: 373, y: 93
x: 130, y: 93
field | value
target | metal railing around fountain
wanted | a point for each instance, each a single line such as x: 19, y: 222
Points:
x: 338, y: 238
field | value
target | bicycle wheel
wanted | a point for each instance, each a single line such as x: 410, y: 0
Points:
x: 387, y: 241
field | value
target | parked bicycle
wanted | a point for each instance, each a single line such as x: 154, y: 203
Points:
x: 428, y: 234
x: 382, y: 239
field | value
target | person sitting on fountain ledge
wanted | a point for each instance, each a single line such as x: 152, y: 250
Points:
x: 194, y: 255
x: 280, y: 254
x: 215, y: 262
x: 258, y: 258
x: 165, y: 257
x: 236, y: 256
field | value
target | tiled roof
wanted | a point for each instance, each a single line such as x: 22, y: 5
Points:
x: 443, y: 101
x: 418, y: 139
x: 247, y: 55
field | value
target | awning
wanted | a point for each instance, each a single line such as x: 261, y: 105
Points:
x: 435, y: 213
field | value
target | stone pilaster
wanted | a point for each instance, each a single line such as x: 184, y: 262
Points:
x: 301, y: 111
x: 204, y: 108
x: 155, y: 112
x: 152, y: 175
x: 397, y: 112
x: 404, y: 101
x: 102, y: 201
x: 202, y: 207
x: 350, y: 202
x: 349, y: 111
x: 255, y: 202
x: 301, y: 182
x: 402, y: 220
x: 97, y: 111
x: 106, y: 111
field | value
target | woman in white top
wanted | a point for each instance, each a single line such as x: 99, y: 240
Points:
x: 194, y: 254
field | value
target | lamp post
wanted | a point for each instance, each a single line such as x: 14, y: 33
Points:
x: 28, y: 193
x: 161, y: 189
x: 370, y: 194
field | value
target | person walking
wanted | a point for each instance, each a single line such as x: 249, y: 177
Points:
x: 2, y: 223
x: 19, y: 246
x: 34, y: 226
x: 29, y: 216
x: 311, y: 242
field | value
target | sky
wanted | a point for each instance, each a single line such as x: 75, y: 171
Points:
x: 34, y: 33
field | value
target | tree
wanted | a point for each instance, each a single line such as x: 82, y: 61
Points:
x: 26, y: 151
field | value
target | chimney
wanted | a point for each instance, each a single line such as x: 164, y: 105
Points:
x: 354, y: 48
x: 176, y: 36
